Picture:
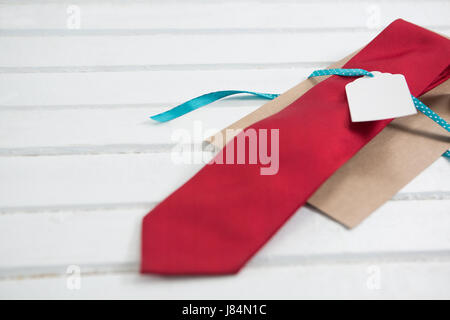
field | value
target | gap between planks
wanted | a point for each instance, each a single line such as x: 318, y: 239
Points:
x: 199, y: 31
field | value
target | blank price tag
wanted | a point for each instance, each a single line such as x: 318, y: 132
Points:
x: 384, y: 96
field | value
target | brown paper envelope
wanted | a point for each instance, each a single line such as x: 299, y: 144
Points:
x: 381, y: 168
x: 386, y: 164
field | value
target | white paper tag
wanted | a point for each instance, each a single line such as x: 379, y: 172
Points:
x: 383, y: 96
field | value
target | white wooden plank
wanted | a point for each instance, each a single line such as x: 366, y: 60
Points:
x: 224, y: 15
x: 99, y: 240
x: 428, y: 181
x: 24, y: 131
x: 176, y: 49
x: 376, y: 280
x: 146, y: 87
x: 75, y: 180
x: 99, y: 127
x: 39, y: 131
x: 180, y: 50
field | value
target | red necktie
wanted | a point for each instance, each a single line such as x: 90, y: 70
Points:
x: 220, y: 218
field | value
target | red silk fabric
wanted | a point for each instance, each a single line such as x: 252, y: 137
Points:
x: 220, y: 218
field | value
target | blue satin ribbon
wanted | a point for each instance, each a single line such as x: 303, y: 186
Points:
x: 208, y: 98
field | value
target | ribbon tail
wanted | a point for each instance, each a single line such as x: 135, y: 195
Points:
x: 204, y: 100
x: 433, y: 116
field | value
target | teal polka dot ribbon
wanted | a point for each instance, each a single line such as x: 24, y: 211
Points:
x: 417, y: 103
x: 211, y: 97
x: 341, y: 72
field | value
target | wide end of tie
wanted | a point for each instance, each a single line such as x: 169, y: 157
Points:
x: 168, y: 249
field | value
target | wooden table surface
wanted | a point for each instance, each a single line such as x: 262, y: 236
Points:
x: 81, y: 163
